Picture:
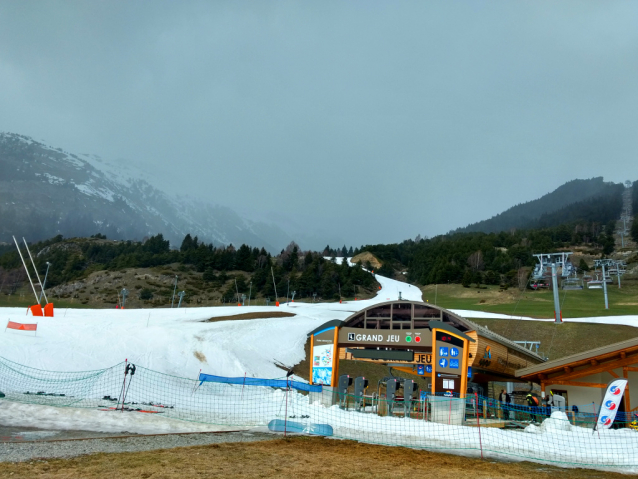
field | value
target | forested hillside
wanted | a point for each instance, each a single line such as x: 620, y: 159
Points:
x: 489, y: 258
x: 590, y: 200
x: 77, y: 258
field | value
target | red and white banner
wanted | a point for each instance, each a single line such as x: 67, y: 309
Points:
x: 21, y: 326
x: 611, y: 402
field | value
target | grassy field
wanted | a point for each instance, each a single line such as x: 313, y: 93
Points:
x: 559, y: 340
x: 537, y: 304
x: 296, y: 457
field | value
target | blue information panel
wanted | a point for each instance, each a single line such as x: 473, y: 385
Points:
x: 420, y: 369
x: 454, y: 352
x: 454, y: 363
x: 428, y: 368
x: 443, y: 352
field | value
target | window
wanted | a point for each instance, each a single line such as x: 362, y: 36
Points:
x: 356, y: 322
x: 421, y: 311
x: 402, y: 312
x: 378, y: 324
x: 379, y: 312
x: 421, y: 323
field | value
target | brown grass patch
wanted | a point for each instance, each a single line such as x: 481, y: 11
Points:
x: 291, y: 458
x: 239, y: 317
x: 201, y: 357
x: 365, y: 257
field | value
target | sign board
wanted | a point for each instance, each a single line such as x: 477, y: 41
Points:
x: 449, y: 362
x: 415, y: 338
x: 610, y: 404
x: 323, y: 360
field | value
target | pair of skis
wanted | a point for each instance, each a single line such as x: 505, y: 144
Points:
x: 129, y: 368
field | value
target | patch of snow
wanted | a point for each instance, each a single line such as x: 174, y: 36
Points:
x: 48, y: 417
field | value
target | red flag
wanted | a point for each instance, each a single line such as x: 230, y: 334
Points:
x: 22, y: 327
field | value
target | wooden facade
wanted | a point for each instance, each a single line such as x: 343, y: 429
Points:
x: 585, y: 376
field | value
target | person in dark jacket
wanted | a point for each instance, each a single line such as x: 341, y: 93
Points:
x: 532, y: 402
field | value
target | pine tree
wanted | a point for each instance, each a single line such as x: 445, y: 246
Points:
x: 583, y: 266
x: 467, y: 278
x: 187, y: 243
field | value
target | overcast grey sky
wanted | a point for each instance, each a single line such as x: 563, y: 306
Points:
x: 370, y: 121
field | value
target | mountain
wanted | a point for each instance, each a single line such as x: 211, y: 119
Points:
x: 45, y: 191
x: 577, y: 200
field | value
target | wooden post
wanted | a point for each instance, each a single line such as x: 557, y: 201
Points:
x: 484, y: 408
x: 627, y: 402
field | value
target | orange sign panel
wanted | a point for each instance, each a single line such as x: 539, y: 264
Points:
x: 22, y: 327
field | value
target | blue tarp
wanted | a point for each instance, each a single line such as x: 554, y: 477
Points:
x: 273, y: 383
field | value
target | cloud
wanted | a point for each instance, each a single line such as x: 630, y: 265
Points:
x: 373, y: 121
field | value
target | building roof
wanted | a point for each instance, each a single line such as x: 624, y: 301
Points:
x: 457, y: 321
x: 610, y: 351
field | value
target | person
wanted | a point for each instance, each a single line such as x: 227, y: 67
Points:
x: 505, y: 400
x: 548, y: 405
x: 532, y: 402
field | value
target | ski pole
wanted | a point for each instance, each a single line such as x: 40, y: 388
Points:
x: 123, y: 384
x: 132, y: 368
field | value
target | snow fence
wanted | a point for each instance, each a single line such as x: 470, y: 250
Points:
x: 483, y: 428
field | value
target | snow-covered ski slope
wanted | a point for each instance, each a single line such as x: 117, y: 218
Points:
x: 176, y: 341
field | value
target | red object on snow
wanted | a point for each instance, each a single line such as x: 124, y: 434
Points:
x: 36, y: 310
x: 48, y: 310
x: 21, y: 327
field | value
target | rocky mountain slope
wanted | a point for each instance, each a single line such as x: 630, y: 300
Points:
x: 45, y: 191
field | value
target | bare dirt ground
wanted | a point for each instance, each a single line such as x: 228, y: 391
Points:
x: 262, y: 315
x: 296, y: 457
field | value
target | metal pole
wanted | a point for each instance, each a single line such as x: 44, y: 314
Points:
x: 45, y: 280
x: 618, y: 273
x: 605, y: 287
x: 174, y: 289
x: 250, y: 293
x: 558, y: 316
x: 36, y: 270
x: 274, y: 285
x: 25, y: 268
x: 288, y: 291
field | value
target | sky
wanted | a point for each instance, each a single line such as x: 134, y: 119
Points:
x: 359, y: 121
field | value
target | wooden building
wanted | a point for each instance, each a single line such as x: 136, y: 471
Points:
x: 397, y: 334
x: 583, y: 378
